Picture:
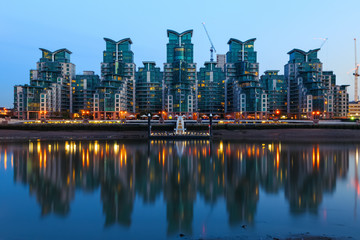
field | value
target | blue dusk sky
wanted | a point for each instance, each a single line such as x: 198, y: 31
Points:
x: 80, y: 26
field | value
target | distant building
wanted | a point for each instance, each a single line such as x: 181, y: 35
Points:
x: 211, y: 89
x: 84, y: 87
x: 229, y: 86
x: 244, y: 95
x: 6, y: 112
x: 116, y: 93
x: 275, y: 87
x: 180, y: 74
x: 149, y: 89
x: 221, y: 61
x: 49, y: 93
x: 354, y: 109
x: 341, y: 101
x: 337, y: 96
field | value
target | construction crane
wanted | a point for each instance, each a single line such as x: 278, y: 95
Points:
x: 356, y: 74
x: 324, y: 41
x: 212, y: 48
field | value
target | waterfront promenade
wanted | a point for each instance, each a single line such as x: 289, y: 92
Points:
x: 246, y: 130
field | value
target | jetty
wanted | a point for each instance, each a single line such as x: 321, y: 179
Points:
x: 179, y: 132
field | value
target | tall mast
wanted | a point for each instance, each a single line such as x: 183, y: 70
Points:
x: 356, y: 74
x: 212, y: 48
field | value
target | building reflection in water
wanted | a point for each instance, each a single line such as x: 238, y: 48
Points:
x: 178, y: 172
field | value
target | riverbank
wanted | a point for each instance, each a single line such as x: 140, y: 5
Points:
x: 26, y: 135
x: 288, y: 135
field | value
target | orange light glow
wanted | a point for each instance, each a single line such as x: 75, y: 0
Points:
x: 40, y: 159
x: 45, y: 158
x: 277, y: 157
x: 318, y: 157
x: 313, y: 157
x: 5, y: 160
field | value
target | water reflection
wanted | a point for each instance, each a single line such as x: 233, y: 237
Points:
x: 178, y: 172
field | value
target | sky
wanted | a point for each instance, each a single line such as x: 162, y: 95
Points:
x: 80, y: 26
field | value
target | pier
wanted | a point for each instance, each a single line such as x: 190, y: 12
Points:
x: 180, y: 132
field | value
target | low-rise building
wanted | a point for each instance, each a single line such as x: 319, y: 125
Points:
x: 211, y: 89
x: 354, y: 110
x: 275, y: 87
x: 149, y: 89
x: 84, y: 87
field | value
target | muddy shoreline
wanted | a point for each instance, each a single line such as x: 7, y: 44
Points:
x: 287, y: 135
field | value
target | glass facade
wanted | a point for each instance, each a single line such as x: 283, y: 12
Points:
x: 84, y: 88
x: 244, y: 95
x: 230, y: 86
x: 306, y: 91
x: 180, y: 74
x: 211, y: 91
x: 116, y: 93
x: 49, y: 93
x: 276, y: 90
x: 149, y: 89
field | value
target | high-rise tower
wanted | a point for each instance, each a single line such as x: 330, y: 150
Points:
x: 180, y: 74
x: 306, y: 92
x: 49, y: 93
x: 244, y: 95
x: 116, y: 95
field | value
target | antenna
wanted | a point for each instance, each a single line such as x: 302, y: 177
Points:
x: 212, y: 48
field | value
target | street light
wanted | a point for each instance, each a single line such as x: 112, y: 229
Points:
x: 210, y: 125
x: 149, y: 125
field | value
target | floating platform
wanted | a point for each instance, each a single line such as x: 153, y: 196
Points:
x: 185, y: 136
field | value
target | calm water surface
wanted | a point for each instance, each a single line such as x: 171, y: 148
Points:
x: 157, y: 190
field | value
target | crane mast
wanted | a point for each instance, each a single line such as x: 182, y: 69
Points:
x: 324, y: 41
x: 356, y: 74
x: 212, y: 48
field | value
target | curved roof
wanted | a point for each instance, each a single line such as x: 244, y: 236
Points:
x: 149, y: 62
x: 209, y: 62
x: 118, y: 42
x: 303, y: 52
x: 179, y: 34
x: 57, y: 51
x: 268, y: 71
x: 241, y: 42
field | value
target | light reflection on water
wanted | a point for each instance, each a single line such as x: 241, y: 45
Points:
x: 186, y: 181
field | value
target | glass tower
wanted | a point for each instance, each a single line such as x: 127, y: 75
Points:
x: 49, y: 93
x: 244, y: 95
x: 306, y: 91
x: 115, y: 97
x: 180, y: 74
